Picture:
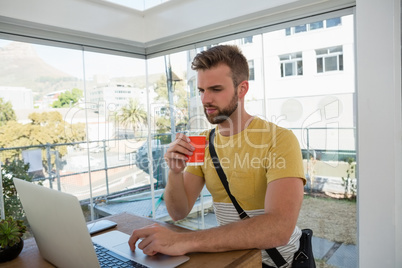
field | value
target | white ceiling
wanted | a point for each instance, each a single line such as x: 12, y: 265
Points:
x: 171, y: 24
x: 139, y: 5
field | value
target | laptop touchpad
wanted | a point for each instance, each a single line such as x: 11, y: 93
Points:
x: 158, y: 260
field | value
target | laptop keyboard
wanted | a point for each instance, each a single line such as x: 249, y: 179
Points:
x: 108, y: 258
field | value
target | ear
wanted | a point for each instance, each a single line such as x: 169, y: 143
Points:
x: 242, y: 89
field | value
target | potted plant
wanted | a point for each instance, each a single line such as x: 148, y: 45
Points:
x: 11, y: 242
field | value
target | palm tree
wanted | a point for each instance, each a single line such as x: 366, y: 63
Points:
x: 132, y: 115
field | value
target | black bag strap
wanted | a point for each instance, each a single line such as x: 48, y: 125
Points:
x: 272, y: 252
x: 222, y: 175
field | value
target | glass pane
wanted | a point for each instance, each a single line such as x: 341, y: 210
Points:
x: 333, y: 22
x: 289, y: 69
x: 322, y: 116
x: 335, y: 49
x: 316, y: 25
x: 319, y: 65
x: 321, y: 51
x: 340, y: 58
x: 121, y: 150
x: 300, y: 28
x: 138, y: 4
x: 251, y: 69
x: 295, y: 55
x: 299, y: 67
x: 42, y: 89
x: 331, y: 63
x: 248, y: 40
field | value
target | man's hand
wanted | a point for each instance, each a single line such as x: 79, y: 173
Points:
x: 158, y: 239
x: 178, y: 152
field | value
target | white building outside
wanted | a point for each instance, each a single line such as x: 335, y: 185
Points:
x: 304, y: 94
x: 19, y: 97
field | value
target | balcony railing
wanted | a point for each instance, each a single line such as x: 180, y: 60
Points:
x: 106, y: 169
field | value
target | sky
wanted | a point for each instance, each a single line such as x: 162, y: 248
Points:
x: 71, y: 62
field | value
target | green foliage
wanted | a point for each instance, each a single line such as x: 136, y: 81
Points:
x: 11, y: 232
x: 348, y: 183
x: 6, y: 112
x: 9, y: 171
x: 163, y: 124
x: 161, y: 89
x: 47, y: 127
x: 132, y: 115
x: 179, y: 92
x: 180, y: 105
x: 165, y: 139
x: 68, y: 98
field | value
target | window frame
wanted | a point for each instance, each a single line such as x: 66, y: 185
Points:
x: 296, y: 61
x: 324, y: 55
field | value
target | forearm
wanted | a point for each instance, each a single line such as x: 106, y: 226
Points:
x: 175, y: 196
x: 259, y: 232
x: 271, y: 229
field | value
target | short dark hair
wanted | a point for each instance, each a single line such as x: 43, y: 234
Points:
x: 223, y: 54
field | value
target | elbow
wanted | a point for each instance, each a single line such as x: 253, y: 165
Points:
x: 283, y: 240
x: 279, y: 240
x: 176, y: 216
x: 284, y: 237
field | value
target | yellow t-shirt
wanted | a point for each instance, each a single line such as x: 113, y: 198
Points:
x: 260, y: 154
x: 251, y: 159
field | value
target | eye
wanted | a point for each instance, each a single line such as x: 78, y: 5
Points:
x: 200, y: 91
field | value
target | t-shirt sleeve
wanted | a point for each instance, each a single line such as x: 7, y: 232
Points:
x: 195, y: 170
x: 286, y: 157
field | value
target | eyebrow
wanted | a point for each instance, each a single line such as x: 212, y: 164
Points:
x: 212, y: 87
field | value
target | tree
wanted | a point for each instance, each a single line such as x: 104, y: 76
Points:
x: 180, y: 103
x: 68, y: 98
x: 10, y: 170
x: 47, y: 127
x: 6, y: 112
x: 132, y: 115
x: 179, y: 92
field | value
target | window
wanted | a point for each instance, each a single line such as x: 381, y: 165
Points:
x: 296, y: 104
x: 313, y: 26
x: 251, y: 69
x: 300, y: 28
x: 316, y: 25
x: 329, y: 59
x: 247, y: 40
x: 291, y: 64
x: 333, y: 22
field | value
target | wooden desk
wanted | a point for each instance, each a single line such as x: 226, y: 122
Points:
x: 126, y: 223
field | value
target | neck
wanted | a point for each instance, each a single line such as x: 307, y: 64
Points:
x: 236, y: 123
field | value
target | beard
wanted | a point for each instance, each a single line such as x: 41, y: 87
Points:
x: 223, y: 114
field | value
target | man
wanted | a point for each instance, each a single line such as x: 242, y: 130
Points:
x: 262, y: 163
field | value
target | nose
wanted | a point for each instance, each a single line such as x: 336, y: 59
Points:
x: 205, y: 97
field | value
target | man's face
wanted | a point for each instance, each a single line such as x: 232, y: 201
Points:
x: 218, y: 95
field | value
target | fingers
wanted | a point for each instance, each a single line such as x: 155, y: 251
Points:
x: 133, y: 240
x: 181, y: 146
x: 146, y: 246
x: 179, y: 150
x: 158, y: 239
x: 146, y: 234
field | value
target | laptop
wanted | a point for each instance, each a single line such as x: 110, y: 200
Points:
x: 62, y: 236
